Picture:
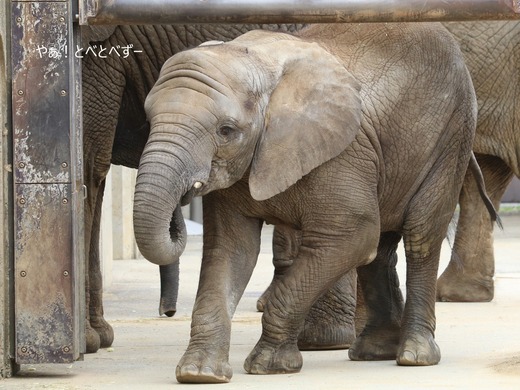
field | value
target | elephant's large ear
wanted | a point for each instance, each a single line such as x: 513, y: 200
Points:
x: 313, y: 114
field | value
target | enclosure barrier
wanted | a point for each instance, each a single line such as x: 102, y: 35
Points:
x: 293, y: 11
x: 45, y: 270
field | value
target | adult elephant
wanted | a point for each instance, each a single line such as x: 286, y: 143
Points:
x: 491, y: 51
x: 492, y: 54
x: 311, y: 132
x: 115, y: 85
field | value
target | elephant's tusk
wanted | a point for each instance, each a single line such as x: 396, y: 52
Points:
x: 197, y: 185
x: 211, y: 43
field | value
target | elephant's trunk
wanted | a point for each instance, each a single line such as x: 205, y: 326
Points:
x: 162, y: 181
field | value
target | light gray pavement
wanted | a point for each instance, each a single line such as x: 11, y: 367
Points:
x: 480, y: 342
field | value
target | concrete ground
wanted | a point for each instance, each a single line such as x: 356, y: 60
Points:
x: 480, y: 342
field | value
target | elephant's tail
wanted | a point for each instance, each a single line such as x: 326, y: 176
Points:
x: 479, y: 178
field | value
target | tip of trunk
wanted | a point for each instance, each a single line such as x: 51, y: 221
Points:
x: 160, y: 245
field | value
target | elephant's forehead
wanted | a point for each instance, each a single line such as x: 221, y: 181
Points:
x: 218, y: 75
x: 223, y: 61
x: 209, y: 79
x: 208, y: 58
x: 204, y: 105
x: 215, y: 71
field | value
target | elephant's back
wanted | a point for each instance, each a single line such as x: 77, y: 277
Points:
x: 492, y: 54
x: 419, y: 107
x: 421, y: 42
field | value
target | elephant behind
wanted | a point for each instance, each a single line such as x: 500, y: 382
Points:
x: 492, y: 53
x: 356, y: 135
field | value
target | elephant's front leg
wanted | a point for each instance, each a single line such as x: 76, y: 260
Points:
x: 286, y: 243
x: 99, y: 333
x: 100, y: 115
x: 323, y: 258
x: 330, y: 322
x: 231, y: 247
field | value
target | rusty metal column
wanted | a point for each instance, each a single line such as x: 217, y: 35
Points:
x: 7, y: 368
x: 48, y: 191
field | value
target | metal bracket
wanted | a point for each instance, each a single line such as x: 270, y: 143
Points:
x: 87, y: 9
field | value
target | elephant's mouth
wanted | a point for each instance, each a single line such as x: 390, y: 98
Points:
x: 192, y: 192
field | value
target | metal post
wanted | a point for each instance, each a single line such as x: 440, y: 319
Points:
x: 292, y: 11
x: 7, y: 366
x: 48, y: 192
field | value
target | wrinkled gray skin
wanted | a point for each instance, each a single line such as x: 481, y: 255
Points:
x: 332, y: 321
x: 273, y: 128
x: 492, y: 54
x: 115, y: 132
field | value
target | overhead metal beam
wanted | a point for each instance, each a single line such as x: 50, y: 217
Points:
x: 292, y: 11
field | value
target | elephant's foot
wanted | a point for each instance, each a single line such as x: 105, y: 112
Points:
x: 453, y: 286
x: 103, y: 329
x: 267, y: 358
x: 321, y: 336
x: 93, y: 341
x: 375, y: 344
x: 203, y: 367
x: 419, y: 350
x: 167, y: 307
x: 97, y: 322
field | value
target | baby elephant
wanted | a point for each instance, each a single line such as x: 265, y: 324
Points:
x: 347, y: 133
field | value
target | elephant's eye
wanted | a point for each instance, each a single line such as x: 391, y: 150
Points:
x: 225, y: 131
x: 228, y: 133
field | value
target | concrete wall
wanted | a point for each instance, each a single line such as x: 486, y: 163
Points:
x: 117, y: 233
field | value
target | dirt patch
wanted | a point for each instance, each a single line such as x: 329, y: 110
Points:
x: 509, y: 366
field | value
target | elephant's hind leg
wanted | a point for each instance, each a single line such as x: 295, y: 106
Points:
x: 286, y: 243
x: 469, y: 275
x: 379, y: 283
x: 425, y: 227
x: 323, y: 259
x: 417, y: 345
